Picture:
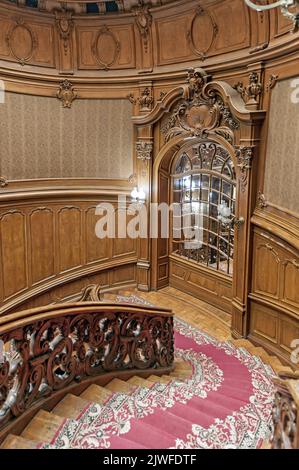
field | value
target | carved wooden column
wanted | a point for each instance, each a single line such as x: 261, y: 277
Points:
x: 144, y: 155
x: 247, y: 152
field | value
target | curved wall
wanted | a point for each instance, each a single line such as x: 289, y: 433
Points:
x: 112, y: 57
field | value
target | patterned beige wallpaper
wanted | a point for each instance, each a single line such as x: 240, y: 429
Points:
x: 282, y: 160
x: 40, y: 139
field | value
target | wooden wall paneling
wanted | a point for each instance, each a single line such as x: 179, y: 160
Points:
x: 106, y: 47
x: 232, y: 35
x: 280, y: 25
x: 69, y: 238
x: 264, y: 323
x: 5, y: 26
x: 214, y: 288
x: 260, y: 30
x: 168, y: 30
x: 290, y: 285
x: 123, y: 246
x: 266, y: 269
x: 163, y: 243
x: 274, y: 304
x: 13, y: 250
x: 96, y: 249
x: 42, y: 249
x: 26, y: 41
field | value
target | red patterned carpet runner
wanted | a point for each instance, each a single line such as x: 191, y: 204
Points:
x: 225, y: 403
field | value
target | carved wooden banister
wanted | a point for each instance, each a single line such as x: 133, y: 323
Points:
x: 285, y: 413
x: 50, y: 351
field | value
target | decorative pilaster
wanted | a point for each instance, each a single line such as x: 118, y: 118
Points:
x: 143, y: 21
x: 64, y: 26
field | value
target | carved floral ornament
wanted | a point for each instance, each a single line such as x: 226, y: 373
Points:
x: 250, y: 93
x: 145, y: 100
x: 201, y: 112
x: 66, y: 93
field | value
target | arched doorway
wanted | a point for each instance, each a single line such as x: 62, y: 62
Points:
x: 209, y: 139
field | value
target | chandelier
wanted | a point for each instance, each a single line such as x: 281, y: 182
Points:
x: 284, y: 5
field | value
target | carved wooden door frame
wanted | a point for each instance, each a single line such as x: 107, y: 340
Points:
x: 204, y: 109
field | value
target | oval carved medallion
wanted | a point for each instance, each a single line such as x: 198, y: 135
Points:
x: 106, y: 48
x: 202, y: 33
x: 21, y: 41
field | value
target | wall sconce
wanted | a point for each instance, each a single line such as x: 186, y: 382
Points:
x: 138, y: 195
x: 226, y: 218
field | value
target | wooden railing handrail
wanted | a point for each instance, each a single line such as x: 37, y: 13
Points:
x: 24, y: 317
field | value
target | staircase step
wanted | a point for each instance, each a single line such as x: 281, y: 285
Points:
x: 42, y: 427
x: 96, y: 394
x: 17, y: 442
x: 185, y: 366
x: 181, y: 374
x: 286, y: 370
x: 117, y: 385
x: 163, y: 380
x: 139, y: 382
x: 70, y: 406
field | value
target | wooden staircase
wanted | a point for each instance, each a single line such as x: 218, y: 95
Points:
x: 44, y: 425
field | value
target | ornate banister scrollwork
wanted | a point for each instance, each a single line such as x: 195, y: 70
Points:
x: 201, y: 112
x: 60, y: 346
x: 285, y: 415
